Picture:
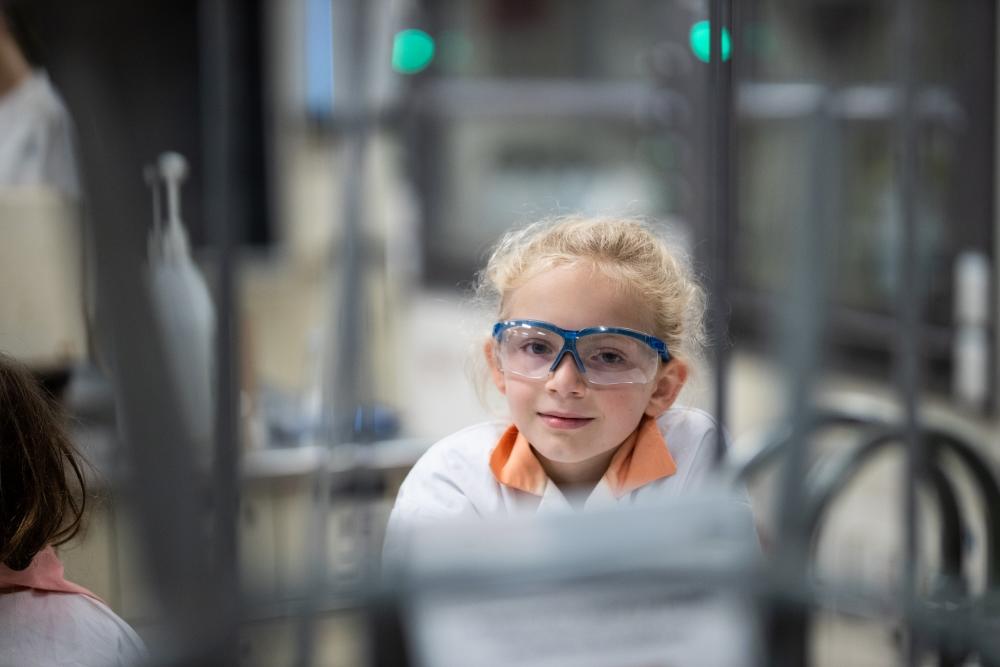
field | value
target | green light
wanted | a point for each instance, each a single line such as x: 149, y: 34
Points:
x: 412, y: 51
x: 700, y: 40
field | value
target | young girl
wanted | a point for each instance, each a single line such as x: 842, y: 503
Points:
x: 597, y: 324
x: 44, y: 619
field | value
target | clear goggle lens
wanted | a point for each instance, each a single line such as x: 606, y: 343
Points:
x: 607, y: 358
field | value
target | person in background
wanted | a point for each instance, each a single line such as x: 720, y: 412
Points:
x: 598, y: 322
x: 42, y: 317
x: 36, y: 133
x: 45, y: 619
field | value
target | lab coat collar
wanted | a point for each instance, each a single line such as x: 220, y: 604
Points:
x: 642, y: 458
x: 515, y: 465
x: 45, y: 573
x: 554, y: 500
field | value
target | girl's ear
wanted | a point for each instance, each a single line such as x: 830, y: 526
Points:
x: 669, y: 381
x: 489, y: 351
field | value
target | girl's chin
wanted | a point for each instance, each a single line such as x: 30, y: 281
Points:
x: 560, y: 455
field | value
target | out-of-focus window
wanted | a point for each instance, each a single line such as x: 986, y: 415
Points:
x: 554, y: 106
x: 548, y: 106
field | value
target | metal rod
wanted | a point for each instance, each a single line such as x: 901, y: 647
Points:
x: 218, y: 79
x: 163, y: 483
x: 217, y: 82
x: 805, y: 318
x: 347, y: 393
x: 910, y: 298
x: 803, y: 325
x: 350, y: 381
x: 719, y: 190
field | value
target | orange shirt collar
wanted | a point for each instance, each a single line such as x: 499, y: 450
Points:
x: 642, y: 458
x: 515, y: 465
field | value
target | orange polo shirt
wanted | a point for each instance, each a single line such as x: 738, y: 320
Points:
x: 642, y: 458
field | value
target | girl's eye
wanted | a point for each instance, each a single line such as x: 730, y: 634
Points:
x: 536, y: 347
x: 608, y: 358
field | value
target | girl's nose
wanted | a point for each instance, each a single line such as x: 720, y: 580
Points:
x: 566, y: 378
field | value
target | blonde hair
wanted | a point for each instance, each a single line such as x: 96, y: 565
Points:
x: 629, y: 251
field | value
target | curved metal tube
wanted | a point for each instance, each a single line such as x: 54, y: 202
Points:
x: 951, y: 534
x: 938, y: 438
x: 837, y: 480
x: 938, y: 441
x: 989, y: 490
x: 781, y: 439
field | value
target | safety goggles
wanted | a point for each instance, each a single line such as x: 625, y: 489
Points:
x: 603, y: 355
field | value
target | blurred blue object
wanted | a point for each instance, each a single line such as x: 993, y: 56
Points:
x: 289, y: 425
x: 319, y: 63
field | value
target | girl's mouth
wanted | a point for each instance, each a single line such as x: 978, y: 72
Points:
x: 564, y: 421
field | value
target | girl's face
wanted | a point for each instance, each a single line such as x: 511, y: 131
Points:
x: 570, y: 423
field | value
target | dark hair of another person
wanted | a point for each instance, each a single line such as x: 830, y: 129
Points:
x: 21, y: 25
x: 39, y: 504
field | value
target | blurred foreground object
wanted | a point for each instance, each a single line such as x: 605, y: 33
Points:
x: 653, y: 585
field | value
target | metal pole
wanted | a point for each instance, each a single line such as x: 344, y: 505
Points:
x: 719, y: 188
x: 803, y: 325
x: 164, y: 483
x: 218, y: 80
x: 350, y: 395
x: 347, y: 390
x: 910, y: 296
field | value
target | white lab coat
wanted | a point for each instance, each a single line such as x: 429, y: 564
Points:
x: 36, y: 138
x: 41, y: 227
x: 49, y: 628
x: 453, y: 478
x: 554, y: 625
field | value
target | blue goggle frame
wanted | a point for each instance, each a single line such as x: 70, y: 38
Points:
x: 570, y: 336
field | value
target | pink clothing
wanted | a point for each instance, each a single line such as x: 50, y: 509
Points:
x: 46, y: 620
x: 45, y: 573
